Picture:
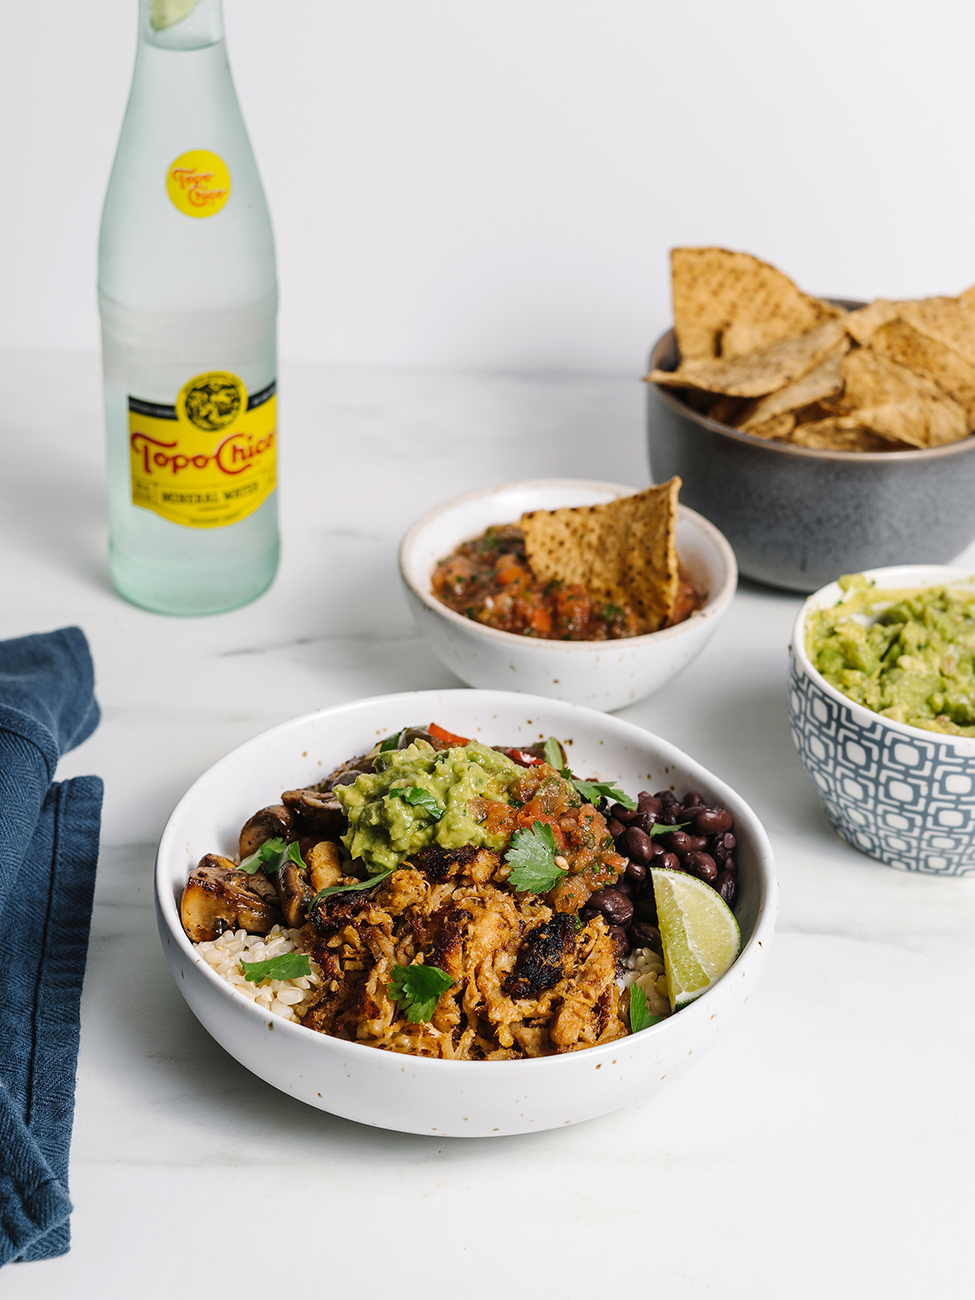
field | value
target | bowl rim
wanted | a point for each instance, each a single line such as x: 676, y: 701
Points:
x: 790, y: 449
x: 703, y: 1009
x: 939, y: 573
x: 715, y: 604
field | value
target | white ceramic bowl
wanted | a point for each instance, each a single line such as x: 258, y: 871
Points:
x: 450, y: 1098
x: 900, y: 794
x: 600, y: 674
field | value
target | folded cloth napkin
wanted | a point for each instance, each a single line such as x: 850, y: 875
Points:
x: 48, y: 852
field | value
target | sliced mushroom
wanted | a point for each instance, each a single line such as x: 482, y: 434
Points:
x: 325, y: 865
x: 293, y: 892
x: 263, y: 826
x: 218, y: 897
x: 316, y: 813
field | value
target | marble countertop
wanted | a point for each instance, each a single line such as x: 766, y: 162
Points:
x: 824, y: 1146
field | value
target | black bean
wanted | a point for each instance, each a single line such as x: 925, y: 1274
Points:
x: 725, y: 885
x: 657, y: 851
x: 730, y: 864
x: 692, y: 799
x: 699, y: 843
x: 615, y: 828
x: 636, y: 874
x: 669, y: 862
x: 729, y: 841
x: 621, y: 939
x: 702, y: 864
x: 624, y: 887
x: 666, y: 796
x: 645, y: 909
x: 645, y: 935
x: 622, y: 814
x: 614, y: 905
x: 717, y: 850
x: 638, y: 844
x: 677, y: 842
x: 648, y: 803
x: 644, y: 821
x: 709, y: 821
x: 588, y: 913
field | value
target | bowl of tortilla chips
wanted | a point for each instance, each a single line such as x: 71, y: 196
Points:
x: 614, y: 541
x: 821, y: 436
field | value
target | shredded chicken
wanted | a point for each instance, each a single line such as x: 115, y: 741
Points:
x: 525, y: 983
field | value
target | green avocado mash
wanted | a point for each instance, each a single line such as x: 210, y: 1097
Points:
x: 907, y: 655
x: 420, y: 798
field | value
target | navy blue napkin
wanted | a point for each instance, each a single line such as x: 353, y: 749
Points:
x: 48, y: 852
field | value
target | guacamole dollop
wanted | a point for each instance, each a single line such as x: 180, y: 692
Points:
x: 418, y: 797
x: 908, y: 655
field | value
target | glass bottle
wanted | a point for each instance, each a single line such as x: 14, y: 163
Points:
x: 188, y: 299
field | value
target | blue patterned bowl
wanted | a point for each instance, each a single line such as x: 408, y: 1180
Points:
x: 900, y: 794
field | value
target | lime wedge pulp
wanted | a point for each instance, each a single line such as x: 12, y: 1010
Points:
x: 700, y: 935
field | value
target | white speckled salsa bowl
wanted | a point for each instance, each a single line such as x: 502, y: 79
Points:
x: 600, y: 674
x: 414, y: 1094
x: 900, y: 794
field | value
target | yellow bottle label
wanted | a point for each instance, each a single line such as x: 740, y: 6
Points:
x: 208, y: 461
x: 198, y: 183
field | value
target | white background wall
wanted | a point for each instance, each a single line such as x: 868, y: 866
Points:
x: 494, y: 184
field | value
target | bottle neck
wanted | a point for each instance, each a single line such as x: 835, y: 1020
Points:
x: 180, y: 24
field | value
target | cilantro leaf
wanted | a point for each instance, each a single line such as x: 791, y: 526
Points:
x: 391, y: 742
x: 640, y: 1017
x: 286, y: 966
x: 658, y: 828
x: 419, y: 798
x: 344, y: 889
x: 593, y: 791
x: 555, y: 755
x: 531, y: 858
x: 417, y: 989
x: 268, y: 856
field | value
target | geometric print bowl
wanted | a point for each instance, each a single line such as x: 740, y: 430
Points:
x: 900, y: 794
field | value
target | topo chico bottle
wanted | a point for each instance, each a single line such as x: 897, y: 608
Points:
x: 188, y: 300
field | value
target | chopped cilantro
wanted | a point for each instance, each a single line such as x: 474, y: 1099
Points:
x: 611, y: 612
x: 344, y: 889
x: 640, y: 1017
x: 286, y: 966
x: 593, y: 791
x: 555, y: 754
x: 532, y: 860
x: 419, y: 798
x: 417, y: 989
x: 269, y: 856
x: 658, y: 828
x: 391, y: 741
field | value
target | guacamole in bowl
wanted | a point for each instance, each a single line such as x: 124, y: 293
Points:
x: 906, y: 654
x: 881, y: 707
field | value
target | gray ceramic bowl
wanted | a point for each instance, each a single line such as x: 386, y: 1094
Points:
x: 797, y: 517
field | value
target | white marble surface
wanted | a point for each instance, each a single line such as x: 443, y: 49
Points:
x: 825, y: 1147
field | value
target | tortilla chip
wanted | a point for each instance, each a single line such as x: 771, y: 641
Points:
x: 623, y: 552
x: 842, y: 433
x: 945, y: 319
x: 760, y: 372
x: 896, y: 403
x: 911, y: 346
x: 727, y: 410
x: 779, y: 426
x: 860, y: 324
x: 727, y: 304
x: 819, y: 384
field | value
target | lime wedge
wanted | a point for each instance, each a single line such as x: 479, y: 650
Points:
x: 167, y: 13
x: 700, y: 935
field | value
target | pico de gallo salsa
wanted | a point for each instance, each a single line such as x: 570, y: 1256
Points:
x: 489, y: 579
